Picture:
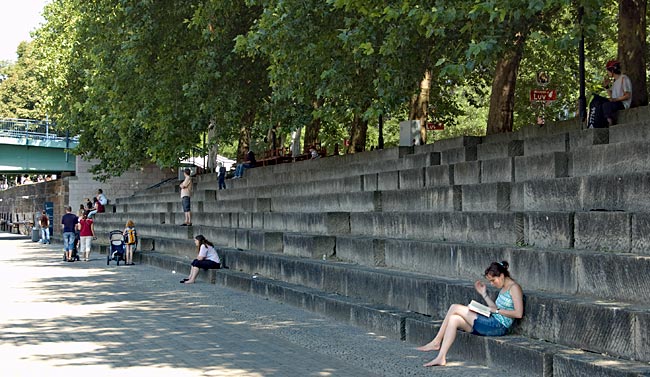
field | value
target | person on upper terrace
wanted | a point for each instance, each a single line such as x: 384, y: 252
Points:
x: 100, y: 204
x: 508, y: 306
x: 249, y: 163
x: 222, y: 176
x: 207, y: 259
x: 186, y: 196
x: 619, y: 92
x: 313, y: 153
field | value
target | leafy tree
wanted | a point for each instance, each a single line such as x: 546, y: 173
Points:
x: 22, y: 87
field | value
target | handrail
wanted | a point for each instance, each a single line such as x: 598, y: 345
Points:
x: 28, y: 128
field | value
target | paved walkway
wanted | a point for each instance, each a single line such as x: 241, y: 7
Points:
x: 86, y: 318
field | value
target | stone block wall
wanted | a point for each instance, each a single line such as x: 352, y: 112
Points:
x: 83, y: 185
x: 25, y: 203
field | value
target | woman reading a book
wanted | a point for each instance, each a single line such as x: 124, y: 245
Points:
x: 495, y: 321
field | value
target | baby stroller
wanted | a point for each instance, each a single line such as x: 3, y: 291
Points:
x: 75, y: 249
x: 117, y: 249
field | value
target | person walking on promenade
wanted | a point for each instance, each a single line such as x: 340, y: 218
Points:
x: 131, y: 240
x: 504, y: 310
x: 69, y: 223
x: 44, y: 222
x: 186, y: 193
x: 86, y: 229
x: 207, y: 259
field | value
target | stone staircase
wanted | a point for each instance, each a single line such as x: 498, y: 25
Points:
x: 387, y: 240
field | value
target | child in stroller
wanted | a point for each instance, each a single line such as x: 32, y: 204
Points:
x: 117, y: 249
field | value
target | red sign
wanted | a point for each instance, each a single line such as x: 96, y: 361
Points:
x: 435, y: 126
x: 543, y: 95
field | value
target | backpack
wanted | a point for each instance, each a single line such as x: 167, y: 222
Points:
x: 596, y: 116
x: 131, y: 236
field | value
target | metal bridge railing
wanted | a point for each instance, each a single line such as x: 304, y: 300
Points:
x: 27, y: 128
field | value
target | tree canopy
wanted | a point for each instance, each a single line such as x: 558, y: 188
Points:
x: 143, y: 81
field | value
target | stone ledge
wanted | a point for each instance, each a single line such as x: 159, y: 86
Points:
x: 519, y: 355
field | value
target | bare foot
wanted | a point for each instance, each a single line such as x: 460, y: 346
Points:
x: 433, y: 346
x: 189, y: 282
x: 436, y: 362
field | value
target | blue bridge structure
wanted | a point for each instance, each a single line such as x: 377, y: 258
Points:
x: 29, y: 146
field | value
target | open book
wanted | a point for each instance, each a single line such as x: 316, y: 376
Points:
x: 479, y: 308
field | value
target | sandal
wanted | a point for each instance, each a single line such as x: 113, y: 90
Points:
x: 184, y: 280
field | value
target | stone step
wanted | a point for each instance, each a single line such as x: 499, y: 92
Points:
x: 356, y: 164
x: 447, y: 144
x: 145, y: 198
x: 637, y: 114
x: 489, y: 151
x: 631, y: 132
x: 596, y: 325
x: 432, y: 214
x: 565, y: 271
x: 518, y: 355
x: 616, y: 158
x: 282, y: 189
x: 611, y: 192
x: 367, y: 201
x: 471, y: 227
x: 165, y: 207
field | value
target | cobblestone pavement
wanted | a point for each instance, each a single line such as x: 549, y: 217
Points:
x: 86, y: 318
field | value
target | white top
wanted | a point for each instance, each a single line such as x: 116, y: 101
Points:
x: 622, y: 85
x: 186, y: 187
x: 208, y: 252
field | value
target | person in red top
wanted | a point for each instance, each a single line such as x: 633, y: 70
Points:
x: 86, y: 234
x: 45, y: 227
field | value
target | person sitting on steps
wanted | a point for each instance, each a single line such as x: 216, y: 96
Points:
x: 619, y: 92
x: 249, y: 163
x: 508, y: 306
x: 207, y: 259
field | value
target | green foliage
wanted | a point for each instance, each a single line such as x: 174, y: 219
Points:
x: 141, y: 80
x: 22, y: 86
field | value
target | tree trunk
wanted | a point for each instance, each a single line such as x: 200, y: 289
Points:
x: 213, y: 151
x: 245, y: 135
x: 313, y: 129
x: 632, y: 46
x: 295, y: 143
x: 420, y: 106
x: 358, y: 133
x: 502, y: 99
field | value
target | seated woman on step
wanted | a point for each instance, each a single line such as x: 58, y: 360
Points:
x: 508, y: 306
x: 208, y: 259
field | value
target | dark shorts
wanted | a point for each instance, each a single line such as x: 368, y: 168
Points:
x: 488, y: 326
x: 186, y: 203
x: 206, y: 264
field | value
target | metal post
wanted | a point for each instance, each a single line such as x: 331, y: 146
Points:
x: 582, y: 100
x: 380, y: 142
